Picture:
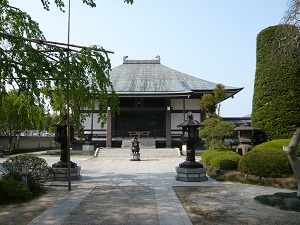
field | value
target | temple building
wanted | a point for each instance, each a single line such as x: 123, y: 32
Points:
x: 154, y: 99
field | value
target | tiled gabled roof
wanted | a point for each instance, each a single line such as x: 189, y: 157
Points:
x: 151, y: 77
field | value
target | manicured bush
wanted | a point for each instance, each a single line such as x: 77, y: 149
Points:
x: 266, y: 162
x: 221, y: 159
x: 38, y: 169
x: 278, y: 144
x: 15, y: 189
x: 228, y: 161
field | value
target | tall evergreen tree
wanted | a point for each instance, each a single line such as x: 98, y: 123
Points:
x: 276, y: 101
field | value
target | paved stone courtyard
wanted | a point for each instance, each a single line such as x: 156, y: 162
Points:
x: 116, y: 205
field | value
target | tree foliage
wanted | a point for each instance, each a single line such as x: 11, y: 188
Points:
x: 209, y: 103
x: 18, y: 113
x: 44, y: 70
x: 276, y: 102
x: 215, y: 130
x: 61, y: 5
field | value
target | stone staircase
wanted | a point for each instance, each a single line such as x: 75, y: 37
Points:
x: 145, y: 152
x: 145, y: 143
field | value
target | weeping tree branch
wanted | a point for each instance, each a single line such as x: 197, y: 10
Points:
x: 42, y: 69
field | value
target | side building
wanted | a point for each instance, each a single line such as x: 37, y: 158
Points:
x: 154, y: 99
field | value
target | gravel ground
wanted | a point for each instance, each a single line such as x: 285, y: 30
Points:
x: 232, y: 204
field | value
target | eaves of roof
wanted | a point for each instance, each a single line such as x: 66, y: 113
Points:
x: 150, y: 77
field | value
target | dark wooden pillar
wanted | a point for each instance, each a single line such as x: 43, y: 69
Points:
x: 108, y: 129
x: 168, y: 124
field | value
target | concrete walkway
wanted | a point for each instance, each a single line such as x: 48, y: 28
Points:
x: 120, y: 191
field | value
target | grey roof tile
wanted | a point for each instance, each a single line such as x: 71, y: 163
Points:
x: 151, y: 77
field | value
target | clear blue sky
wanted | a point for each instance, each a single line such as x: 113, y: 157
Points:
x: 214, y: 40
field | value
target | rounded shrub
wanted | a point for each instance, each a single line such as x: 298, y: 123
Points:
x: 207, y: 155
x: 266, y: 162
x: 278, y: 144
x: 38, y: 169
x: 226, y: 161
x: 221, y: 159
x: 15, y: 189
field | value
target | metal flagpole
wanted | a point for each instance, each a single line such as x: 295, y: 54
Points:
x: 68, y: 102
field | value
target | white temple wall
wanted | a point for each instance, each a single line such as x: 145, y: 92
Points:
x: 177, y: 118
x: 192, y: 104
x: 87, y: 123
x: 90, y: 123
x: 177, y: 104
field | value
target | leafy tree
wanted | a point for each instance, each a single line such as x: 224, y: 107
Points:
x: 44, y: 70
x: 284, y: 56
x: 18, y: 113
x: 209, y: 103
x: 215, y: 130
x: 219, y: 95
x: 277, y: 88
x: 49, y: 121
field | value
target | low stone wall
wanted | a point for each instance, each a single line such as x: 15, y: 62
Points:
x: 28, y: 142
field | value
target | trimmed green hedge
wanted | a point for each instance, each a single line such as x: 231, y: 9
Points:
x: 15, y: 189
x: 276, y: 98
x: 221, y: 159
x: 278, y: 144
x: 225, y: 161
x: 266, y: 162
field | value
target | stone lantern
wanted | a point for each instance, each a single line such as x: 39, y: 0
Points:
x: 60, y: 168
x: 190, y: 170
x: 246, y: 138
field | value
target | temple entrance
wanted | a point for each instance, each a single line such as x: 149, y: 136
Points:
x: 143, y: 123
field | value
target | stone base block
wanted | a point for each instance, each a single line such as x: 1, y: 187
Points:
x: 88, y: 149
x: 135, y: 156
x: 61, y: 174
x: 191, y: 174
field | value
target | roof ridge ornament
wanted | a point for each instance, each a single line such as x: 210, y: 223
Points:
x: 124, y: 58
x: 148, y: 61
x: 158, y: 58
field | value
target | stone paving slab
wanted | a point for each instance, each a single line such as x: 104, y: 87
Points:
x: 122, y: 205
x: 130, y: 184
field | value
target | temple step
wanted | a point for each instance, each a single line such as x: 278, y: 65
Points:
x: 148, y: 143
x: 145, y: 152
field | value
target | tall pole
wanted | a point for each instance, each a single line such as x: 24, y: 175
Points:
x: 68, y: 103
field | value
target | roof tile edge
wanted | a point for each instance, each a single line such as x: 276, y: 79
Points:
x: 151, y: 61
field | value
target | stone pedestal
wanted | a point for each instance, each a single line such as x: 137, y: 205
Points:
x: 135, y: 156
x: 61, y: 174
x: 191, y: 174
x: 88, y: 149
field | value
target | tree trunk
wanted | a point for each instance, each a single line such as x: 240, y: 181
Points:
x: 292, y: 156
